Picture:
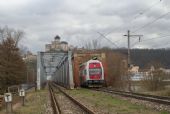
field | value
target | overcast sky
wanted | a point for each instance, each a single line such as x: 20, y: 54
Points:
x: 78, y: 21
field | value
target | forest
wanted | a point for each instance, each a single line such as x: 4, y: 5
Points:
x: 145, y: 57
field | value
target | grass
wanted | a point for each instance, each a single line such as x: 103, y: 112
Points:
x: 110, y: 104
x: 165, y: 113
x: 15, y: 99
x: 35, y: 103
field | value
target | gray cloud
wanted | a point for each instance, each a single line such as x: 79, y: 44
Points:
x: 77, y: 21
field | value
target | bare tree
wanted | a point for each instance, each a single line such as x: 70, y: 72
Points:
x: 88, y: 45
x: 94, y: 44
x: 16, y: 35
x: 12, y: 67
x: 116, y: 69
x: 153, y: 80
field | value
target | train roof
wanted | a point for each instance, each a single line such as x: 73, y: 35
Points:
x: 89, y: 62
x: 93, y: 60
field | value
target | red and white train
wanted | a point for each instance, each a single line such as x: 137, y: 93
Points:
x: 92, y: 74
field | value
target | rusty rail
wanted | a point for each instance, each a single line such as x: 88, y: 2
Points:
x: 54, y: 102
x: 1, y: 101
x: 151, y: 98
x: 83, y: 107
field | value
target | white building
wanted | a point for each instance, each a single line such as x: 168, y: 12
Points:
x: 134, y: 69
x: 64, y: 46
x: 29, y: 56
x: 57, y: 45
x: 167, y: 71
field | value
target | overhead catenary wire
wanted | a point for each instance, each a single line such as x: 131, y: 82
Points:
x: 155, y: 38
x: 147, y: 9
x: 157, y: 45
x: 107, y: 38
x: 141, y: 13
x: 148, y: 24
x: 150, y: 39
x: 103, y: 36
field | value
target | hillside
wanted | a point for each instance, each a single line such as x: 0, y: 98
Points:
x: 144, y: 57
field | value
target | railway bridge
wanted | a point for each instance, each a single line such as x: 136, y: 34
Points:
x: 62, y: 67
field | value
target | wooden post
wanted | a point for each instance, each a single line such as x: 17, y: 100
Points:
x: 23, y: 100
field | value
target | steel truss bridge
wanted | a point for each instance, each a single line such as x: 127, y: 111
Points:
x: 55, y: 66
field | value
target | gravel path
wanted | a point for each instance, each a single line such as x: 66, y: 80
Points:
x: 47, y: 106
x: 66, y: 105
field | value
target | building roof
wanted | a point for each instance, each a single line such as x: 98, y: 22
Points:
x: 47, y: 44
x: 64, y: 42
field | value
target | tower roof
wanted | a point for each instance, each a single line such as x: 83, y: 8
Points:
x: 57, y: 37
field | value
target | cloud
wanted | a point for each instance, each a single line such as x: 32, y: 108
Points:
x: 78, y: 21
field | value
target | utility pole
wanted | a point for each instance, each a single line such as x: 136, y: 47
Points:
x: 33, y: 75
x: 129, y: 60
x: 27, y: 75
x: 128, y: 36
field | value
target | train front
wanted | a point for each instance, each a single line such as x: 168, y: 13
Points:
x: 95, y: 73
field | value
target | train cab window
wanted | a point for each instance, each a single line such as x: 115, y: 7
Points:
x: 80, y: 73
x: 84, y: 72
x: 95, y: 71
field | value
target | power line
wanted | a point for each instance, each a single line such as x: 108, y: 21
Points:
x: 103, y: 36
x: 140, y: 12
x: 149, y: 39
x: 107, y: 38
x: 166, y: 43
x: 155, y: 38
x: 148, y: 24
x: 147, y: 9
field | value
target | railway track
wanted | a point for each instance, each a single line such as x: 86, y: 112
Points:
x: 54, y: 102
x: 1, y: 101
x: 75, y: 106
x: 151, y: 98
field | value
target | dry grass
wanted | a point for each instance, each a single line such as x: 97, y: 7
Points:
x: 165, y: 92
x: 35, y: 103
x: 109, y: 104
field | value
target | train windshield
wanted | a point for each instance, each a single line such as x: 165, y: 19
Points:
x: 95, y: 71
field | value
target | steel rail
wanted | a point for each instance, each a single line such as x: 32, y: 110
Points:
x: 147, y: 95
x: 75, y: 101
x: 151, y: 98
x: 1, y: 101
x: 54, y: 102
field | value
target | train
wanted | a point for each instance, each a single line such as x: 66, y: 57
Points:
x: 91, y: 74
